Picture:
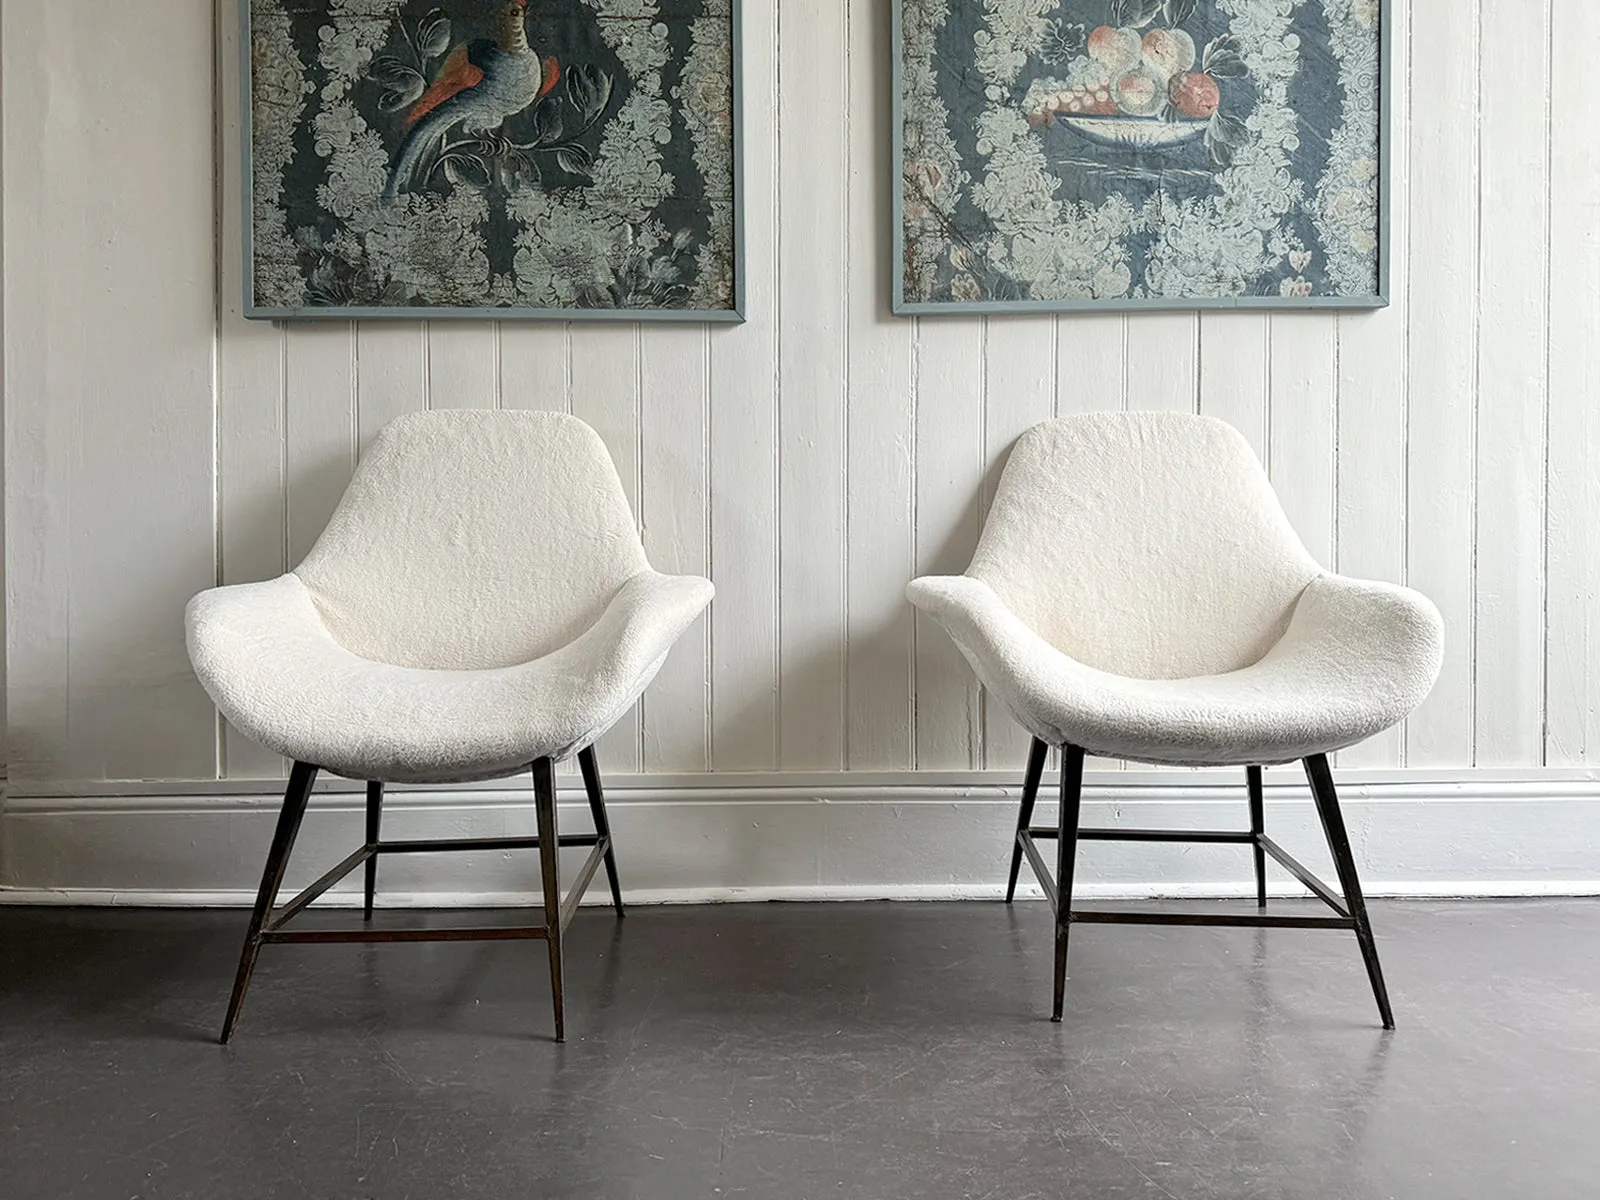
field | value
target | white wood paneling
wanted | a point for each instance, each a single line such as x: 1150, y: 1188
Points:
x: 536, y: 366
x: 673, y: 369
x: 109, y: 386
x: 319, y: 426
x: 252, y: 538
x: 1508, y: 662
x: 1234, y: 366
x: 463, y: 364
x: 1572, y: 702
x: 744, y: 433
x: 880, y: 436
x: 816, y: 457
x: 949, y: 470
x: 813, y: 169
x: 1442, y: 382
x: 1300, y: 445
x: 391, y: 374
x: 1163, y: 361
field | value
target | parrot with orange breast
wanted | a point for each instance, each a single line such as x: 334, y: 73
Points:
x: 481, y: 84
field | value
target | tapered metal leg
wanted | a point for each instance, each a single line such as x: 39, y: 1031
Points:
x: 1066, y: 858
x: 1030, y: 793
x: 374, y: 822
x: 295, y: 798
x: 1258, y: 826
x: 544, y: 799
x: 602, y: 823
x: 1327, y: 801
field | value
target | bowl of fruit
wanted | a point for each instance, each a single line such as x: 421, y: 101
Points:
x: 1136, y: 91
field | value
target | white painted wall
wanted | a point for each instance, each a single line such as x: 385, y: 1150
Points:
x: 811, y: 460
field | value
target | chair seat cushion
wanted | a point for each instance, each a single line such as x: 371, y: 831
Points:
x: 266, y: 657
x: 1356, y: 658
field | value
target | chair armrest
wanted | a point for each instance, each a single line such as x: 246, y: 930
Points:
x: 1013, y: 663
x: 647, y: 615
x: 1389, y: 635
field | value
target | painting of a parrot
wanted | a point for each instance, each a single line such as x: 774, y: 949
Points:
x: 481, y: 84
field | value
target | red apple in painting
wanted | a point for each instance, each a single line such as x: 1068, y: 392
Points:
x: 1195, y: 95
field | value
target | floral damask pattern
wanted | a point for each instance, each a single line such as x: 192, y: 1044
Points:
x: 419, y: 154
x: 1140, y: 151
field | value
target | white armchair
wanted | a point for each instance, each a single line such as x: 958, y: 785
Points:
x: 479, y: 605
x: 1138, y: 593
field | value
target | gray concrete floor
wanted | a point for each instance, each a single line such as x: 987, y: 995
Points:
x: 775, y: 1051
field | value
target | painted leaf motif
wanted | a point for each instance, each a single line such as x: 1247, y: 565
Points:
x: 1224, y: 135
x: 589, y: 90
x: 571, y: 163
x: 547, y: 125
x: 433, y: 34
x: 1222, y: 59
x: 387, y: 69
x: 395, y: 99
x: 1179, y: 11
x: 1136, y: 13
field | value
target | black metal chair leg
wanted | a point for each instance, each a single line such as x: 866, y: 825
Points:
x: 1030, y: 793
x: 295, y: 799
x: 602, y: 823
x: 1258, y: 826
x: 374, y: 822
x: 1327, y: 800
x: 1066, y: 858
x: 544, y: 798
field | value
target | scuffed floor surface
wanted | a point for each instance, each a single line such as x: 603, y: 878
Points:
x: 808, y: 1051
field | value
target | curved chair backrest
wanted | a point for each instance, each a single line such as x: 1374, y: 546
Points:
x: 1148, y: 545
x: 474, y: 539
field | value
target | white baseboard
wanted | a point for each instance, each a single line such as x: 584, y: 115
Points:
x: 686, y: 839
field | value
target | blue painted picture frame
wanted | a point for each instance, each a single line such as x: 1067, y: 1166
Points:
x: 568, y: 160
x: 1140, y: 155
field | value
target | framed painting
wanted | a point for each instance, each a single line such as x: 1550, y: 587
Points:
x: 1053, y: 155
x: 568, y: 159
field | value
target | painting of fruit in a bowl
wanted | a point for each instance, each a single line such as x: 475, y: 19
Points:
x: 1139, y: 153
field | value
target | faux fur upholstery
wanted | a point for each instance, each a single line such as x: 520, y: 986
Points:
x: 1138, y: 592
x: 479, y: 600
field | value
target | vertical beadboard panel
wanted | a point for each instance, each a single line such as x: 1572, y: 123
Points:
x: 110, y: 388
x: 319, y: 426
x: 744, y: 433
x: 1443, y: 314
x: 1513, y: 263
x: 880, y: 434
x: 1163, y: 360
x: 1573, y: 701
x: 536, y: 365
x: 1233, y: 373
x: 605, y: 393
x: 1019, y: 391
x: 1091, y: 363
x: 676, y: 712
x: 44, y: 347
x: 1371, y: 442
x: 463, y: 364
x: 949, y: 471
x: 812, y: 252
x: 1300, y: 451
x: 391, y: 374
x: 252, y: 543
